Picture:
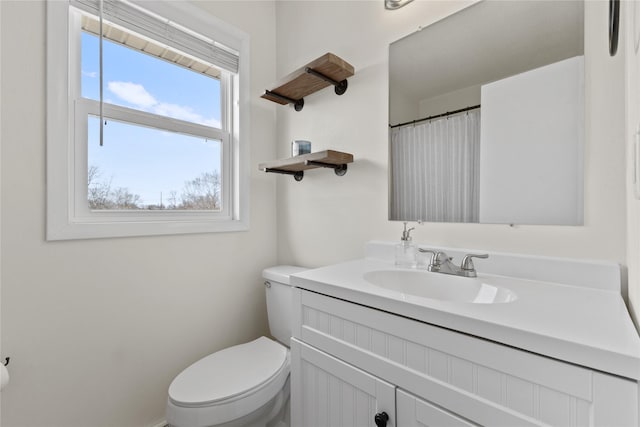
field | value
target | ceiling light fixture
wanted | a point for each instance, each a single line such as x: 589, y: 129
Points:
x: 395, y: 4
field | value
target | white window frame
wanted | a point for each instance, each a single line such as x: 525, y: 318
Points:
x: 68, y: 213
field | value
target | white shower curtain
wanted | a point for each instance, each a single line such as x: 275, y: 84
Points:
x: 435, y: 170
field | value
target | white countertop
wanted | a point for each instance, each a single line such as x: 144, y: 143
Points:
x: 582, y: 325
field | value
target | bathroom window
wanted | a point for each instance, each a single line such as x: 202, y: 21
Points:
x: 151, y: 140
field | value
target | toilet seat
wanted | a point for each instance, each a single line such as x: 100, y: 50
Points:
x: 234, y: 381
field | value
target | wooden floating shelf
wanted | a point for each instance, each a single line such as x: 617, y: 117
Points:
x: 296, y: 166
x: 327, y: 70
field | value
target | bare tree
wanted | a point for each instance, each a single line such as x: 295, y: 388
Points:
x: 202, y: 192
x: 173, y: 200
x: 123, y: 199
x: 102, y: 196
x: 98, y: 191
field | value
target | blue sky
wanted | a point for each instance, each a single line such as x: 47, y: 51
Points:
x: 146, y: 161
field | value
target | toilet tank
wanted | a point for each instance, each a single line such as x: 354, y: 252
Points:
x: 279, y: 300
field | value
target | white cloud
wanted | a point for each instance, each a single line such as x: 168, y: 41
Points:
x: 182, y: 113
x: 138, y: 96
x: 133, y: 93
x: 177, y: 112
x: 92, y: 74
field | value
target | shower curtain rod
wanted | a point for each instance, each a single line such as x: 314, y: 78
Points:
x: 437, y: 116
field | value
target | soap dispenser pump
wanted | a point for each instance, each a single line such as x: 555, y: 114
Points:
x: 406, y: 250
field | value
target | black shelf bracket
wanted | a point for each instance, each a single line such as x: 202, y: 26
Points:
x: 340, y: 86
x: 339, y: 170
x: 298, y: 104
x: 297, y: 175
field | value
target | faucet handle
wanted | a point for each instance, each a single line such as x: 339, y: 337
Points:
x: 467, y: 263
x: 441, y: 257
x: 429, y: 251
x: 437, y: 257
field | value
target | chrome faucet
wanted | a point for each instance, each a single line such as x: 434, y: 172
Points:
x: 441, y: 263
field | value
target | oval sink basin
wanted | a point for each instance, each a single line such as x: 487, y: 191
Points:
x: 439, y: 286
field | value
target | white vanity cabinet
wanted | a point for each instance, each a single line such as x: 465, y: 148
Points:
x: 333, y: 393
x: 351, y: 362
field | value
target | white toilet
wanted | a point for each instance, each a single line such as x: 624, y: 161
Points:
x: 244, y: 385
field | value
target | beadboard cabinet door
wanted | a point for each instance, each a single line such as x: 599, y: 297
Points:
x: 326, y: 392
x: 415, y: 412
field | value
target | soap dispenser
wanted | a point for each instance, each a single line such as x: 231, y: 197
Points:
x: 406, y: 250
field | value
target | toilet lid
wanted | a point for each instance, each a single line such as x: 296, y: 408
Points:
x: 229, y: 373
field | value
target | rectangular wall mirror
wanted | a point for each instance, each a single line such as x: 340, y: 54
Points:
x: 486, y: 116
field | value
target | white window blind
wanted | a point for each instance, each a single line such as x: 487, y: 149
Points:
x: 162, y: 30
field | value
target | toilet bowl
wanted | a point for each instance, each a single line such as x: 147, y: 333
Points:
x: 246, y: 385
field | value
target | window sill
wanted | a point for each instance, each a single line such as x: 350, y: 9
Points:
x: 94, y: 229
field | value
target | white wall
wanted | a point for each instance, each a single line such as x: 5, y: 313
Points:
x: 97, y: 329
x: 452, y: 101
x: 326, y: 218
x: 404, y: 109
x: 532, y: 136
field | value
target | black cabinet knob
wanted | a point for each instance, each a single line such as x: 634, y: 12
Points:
x: 381, y: 419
